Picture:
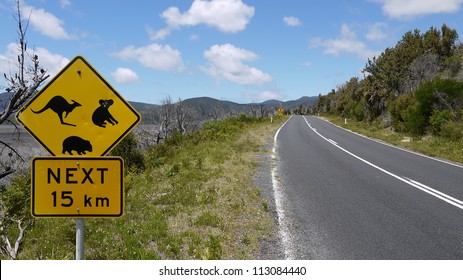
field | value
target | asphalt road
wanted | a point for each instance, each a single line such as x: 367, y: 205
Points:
x: 343, y: 196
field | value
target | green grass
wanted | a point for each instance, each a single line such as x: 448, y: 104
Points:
x: 429, y: 145
x: 195, y: 199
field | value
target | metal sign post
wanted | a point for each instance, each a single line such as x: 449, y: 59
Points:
x: 80, y: 225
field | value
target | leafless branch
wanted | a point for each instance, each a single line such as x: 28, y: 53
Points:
x: 24, y: 83
x: 13, y: 250
x: 183, y: 116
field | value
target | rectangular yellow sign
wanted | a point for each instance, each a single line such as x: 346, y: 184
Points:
x: 77, y: 187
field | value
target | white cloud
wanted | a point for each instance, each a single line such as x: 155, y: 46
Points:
x: 160, y: 34
x: 230, y: 16
x: 125, y: 76
x: 65, y: 3
x: 376, y: 32
x: 292, y: 21
x: 267, y: 95
x: 53, y: 63
x: 261, y: 96
x: 347, y: 42
x: 46, y: 23
x: 399, y: 9
x: 7, y: 63
x: 226, y: 62
x: 159, y: 57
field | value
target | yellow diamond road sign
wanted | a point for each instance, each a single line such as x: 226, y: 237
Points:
x: 78, y: 113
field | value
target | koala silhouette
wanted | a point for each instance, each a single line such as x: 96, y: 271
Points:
x: 102, y: 115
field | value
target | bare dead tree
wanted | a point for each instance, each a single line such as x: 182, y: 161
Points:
x: 253, y: 111
x: 422, y: 69
x: 260, y: 111
x: 7, y: 248
x: 183, y: 116
x: 444, y: 102
x: 217, y: 111
x: 23, y: 82
x: 264, y: 111
x: 29, y: 76
x: 166, y: 119
x: 203, y: 109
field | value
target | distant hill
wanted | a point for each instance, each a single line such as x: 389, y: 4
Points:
x: 5, y: 95
x: 141, y: 107
x: 206, y: 108
x: 292, y: 104
x: 207, y: 104
x: 4, y: 101
x: 304, y: 101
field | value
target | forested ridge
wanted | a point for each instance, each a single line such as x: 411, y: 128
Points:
x: 415, y: 87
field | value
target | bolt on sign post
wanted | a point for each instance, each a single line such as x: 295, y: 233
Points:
x: 78, y: 117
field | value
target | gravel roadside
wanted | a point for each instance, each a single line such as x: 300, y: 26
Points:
x: 271, y: 247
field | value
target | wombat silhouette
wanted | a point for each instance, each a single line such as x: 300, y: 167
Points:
x: 75, y: 143
x: 60, y: 106
x: 102, y: 115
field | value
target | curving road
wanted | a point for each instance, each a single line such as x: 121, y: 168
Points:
x: 343, y: 196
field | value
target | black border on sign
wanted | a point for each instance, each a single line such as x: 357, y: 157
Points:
x: 104, y: 81
x: 121, y: 160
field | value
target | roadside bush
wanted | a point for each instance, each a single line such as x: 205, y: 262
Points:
x: 399, y: 109
x: 438, y: 119
x: 16, y: 197
x: 452, y: 130
x: 15, y: 211
x: 454, y: 64
x: 358, y: 111
x: 418, y: 119
x: 127, y: 149
x: 437, y: 95
x: 416, y: 122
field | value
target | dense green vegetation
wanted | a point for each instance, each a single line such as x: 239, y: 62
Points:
x: 415, y: 87
x: 435, y: 146
x: 191, y: 197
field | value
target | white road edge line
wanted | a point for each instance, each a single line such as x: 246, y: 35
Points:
x: 283, y: 225
x: 455, y: 164
x: 444, y: 197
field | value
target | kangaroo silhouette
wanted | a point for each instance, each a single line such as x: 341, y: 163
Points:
x: 102, y: 115
x: 60, y: 106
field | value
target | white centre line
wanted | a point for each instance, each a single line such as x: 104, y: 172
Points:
x: 445, y: 197
x: 442, y: 196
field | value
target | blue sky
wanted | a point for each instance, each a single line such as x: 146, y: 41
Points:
x: 236, y: 50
